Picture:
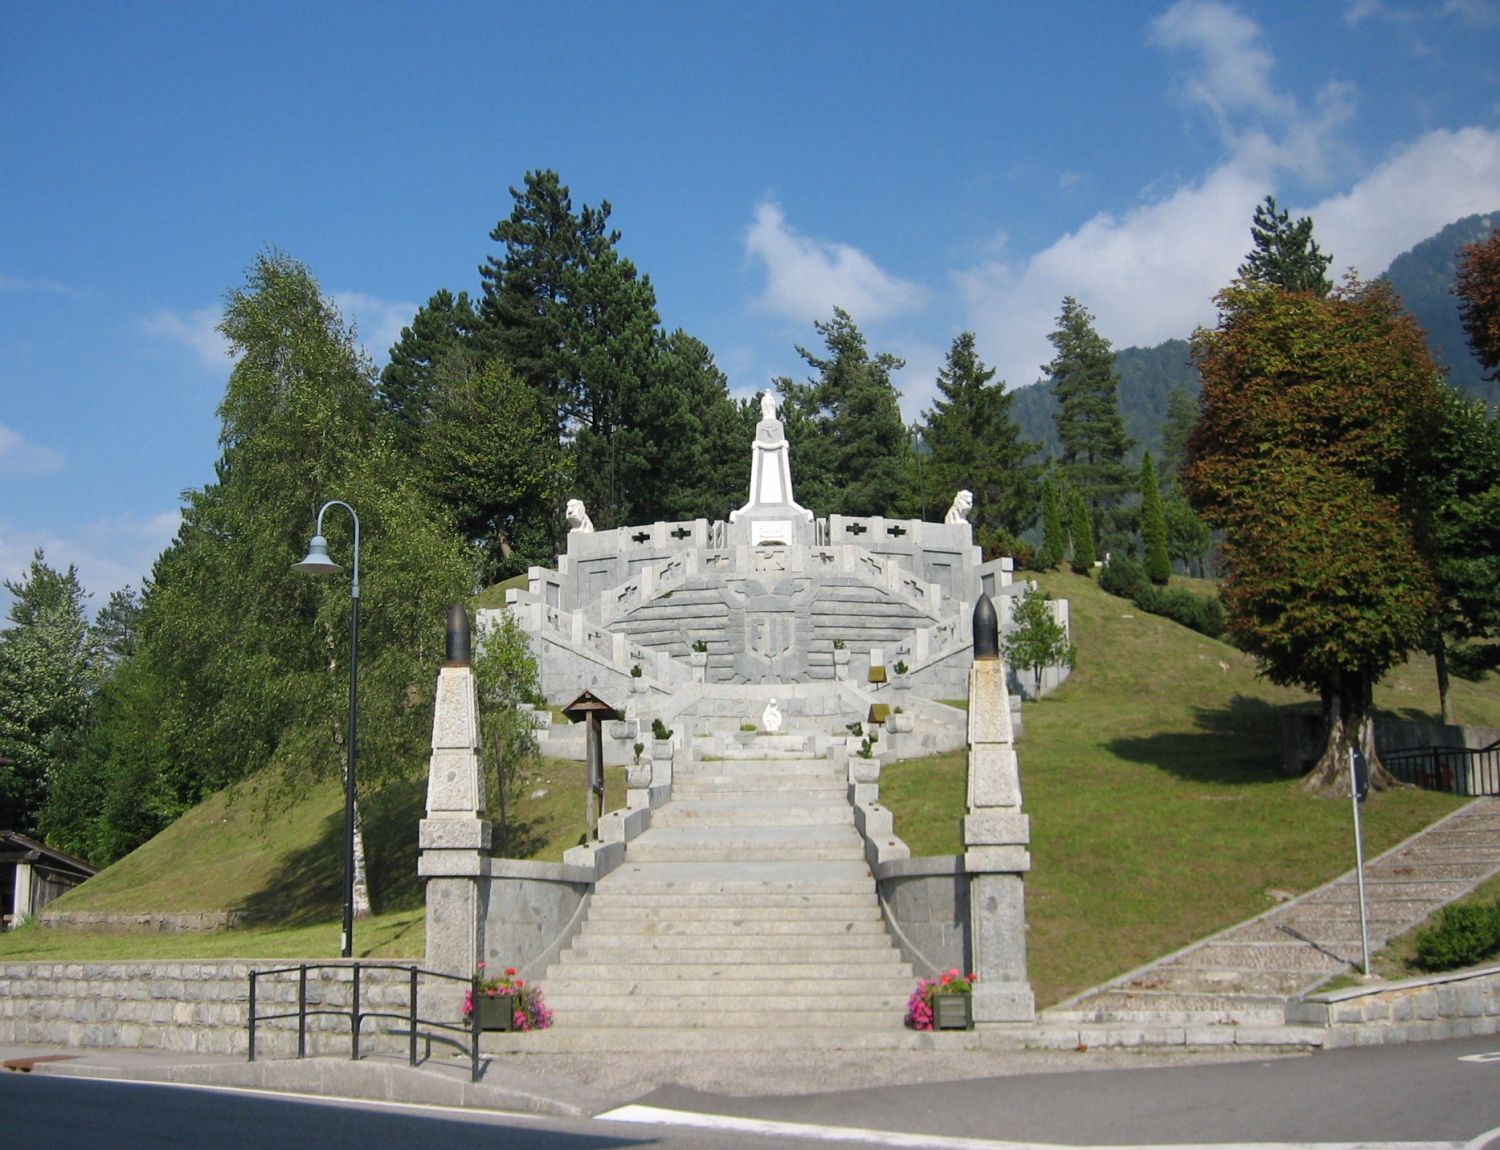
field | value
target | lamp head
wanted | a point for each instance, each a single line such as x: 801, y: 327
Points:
x: 317, y: 561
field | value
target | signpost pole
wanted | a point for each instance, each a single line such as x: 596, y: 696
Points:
x: 1359, y: 786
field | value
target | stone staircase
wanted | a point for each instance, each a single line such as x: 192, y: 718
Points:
x: 744, y: 918
x: 1245, y: 976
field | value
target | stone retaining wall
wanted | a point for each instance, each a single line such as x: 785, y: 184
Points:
x: 1418, y: 1009
x: 202, y: 1007
x: 141, y: 922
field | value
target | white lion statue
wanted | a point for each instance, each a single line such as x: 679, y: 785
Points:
x: 578, y: 518
x: 963, y: 503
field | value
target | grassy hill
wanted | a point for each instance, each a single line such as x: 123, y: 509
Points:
x: 1158, y: 810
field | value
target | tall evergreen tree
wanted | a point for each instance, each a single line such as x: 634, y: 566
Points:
x: 848, y: 443
x: 1081, y: 534
x: 1153, y: 526
x: 1285, y: 254
x: 1054, y: 536
x: 976, y: 446
x: 1094, y: 443
x: 530, y: 292
x: 46, y: 683
x: 442, y: 327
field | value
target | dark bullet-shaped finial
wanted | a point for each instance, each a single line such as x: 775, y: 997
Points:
x: 457, y: 646
x: 986, y: 629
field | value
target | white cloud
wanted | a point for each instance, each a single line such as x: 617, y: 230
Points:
x: 1236, y: 68
x: 109, y: 554
x: 1422, y: 187
x: 807, y: 278
x: 377, y: 322
x: 1233, y: 80
x: 18, y: 457
x: 1147, y: 276
x: 198, y: 331
x: 23, y: 284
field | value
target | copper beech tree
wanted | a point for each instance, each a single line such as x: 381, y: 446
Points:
x: 1313, y: 417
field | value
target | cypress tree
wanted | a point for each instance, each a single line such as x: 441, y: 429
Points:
x: 1081, y: 530
x: 1153, y: 526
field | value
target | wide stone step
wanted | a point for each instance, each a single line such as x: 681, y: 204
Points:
x: 1125, y: 1010
x: 705, y: 852
x: 750, y: 1016
x: 632, y: 1040
x: 1256, y: 984
x: 596, y: 927
x: 769, y: 769
x: 727, y: 969
x: 768, y: 1000
x: 775, y: 953
x: 635, y: 985
x: 694, y: 912
x: 605, y: 937
x: 831, y: 786
x: 754, y: 813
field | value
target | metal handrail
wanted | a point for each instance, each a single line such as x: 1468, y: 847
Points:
x: 357, y: 1016
x: 1459, y: 770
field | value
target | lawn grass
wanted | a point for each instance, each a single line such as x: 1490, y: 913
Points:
x: 276, y: 855
x: 1159, y: 812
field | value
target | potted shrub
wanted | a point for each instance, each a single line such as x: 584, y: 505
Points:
x: 942, y: 1003
x: 505, y: 1002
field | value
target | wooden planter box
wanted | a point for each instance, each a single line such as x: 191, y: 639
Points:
x: 952, y: 1012
x: 497, y: 1013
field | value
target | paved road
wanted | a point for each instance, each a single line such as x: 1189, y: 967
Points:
x: 1414, y: 1093
x: 1433, y: 1096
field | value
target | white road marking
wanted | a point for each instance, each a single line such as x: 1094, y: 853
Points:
x: 1491, y: 1056
x: 659, y: 1116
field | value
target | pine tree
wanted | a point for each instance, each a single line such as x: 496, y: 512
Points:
x: 1094, y: 443
x: 1054, y: 537
x: 976, y: 447
x: 1285, y: 255
x: 848, y: 443
x: 1153, y: 527
x: 409, y: 383
x: 1081, y: 535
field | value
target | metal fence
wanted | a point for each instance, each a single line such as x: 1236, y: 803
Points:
x: 1457, y: 770
x: 357, y: 1014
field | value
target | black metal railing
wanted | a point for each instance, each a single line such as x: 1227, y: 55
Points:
x: 357, y: 1015
x: 1457, y: 770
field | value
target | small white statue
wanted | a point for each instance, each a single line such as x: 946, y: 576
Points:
x: 767, y: 405
x: 963, y: 503
x: 770, y: 720
x: 578, y: 518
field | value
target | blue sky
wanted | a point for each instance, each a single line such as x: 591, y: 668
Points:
x: 929, y: 168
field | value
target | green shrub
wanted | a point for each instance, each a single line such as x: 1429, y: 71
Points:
x: 1123, y: 576
x: 1463, y: 935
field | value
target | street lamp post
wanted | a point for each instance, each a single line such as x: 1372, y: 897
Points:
x: 318, y: 563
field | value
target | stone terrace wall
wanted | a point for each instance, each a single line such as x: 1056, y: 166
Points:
x: 1419, y: 1009
x: 198, y: 1007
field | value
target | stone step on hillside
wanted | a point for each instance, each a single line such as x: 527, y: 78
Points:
x: 1179, y: 1010
x: 747, y: 908
x: 788, y: 811
x: 731, y: 844
x: 686, y: 914
x: 735, y: 768
x: 750, y: 790
x: 669, y: 1039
